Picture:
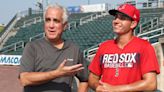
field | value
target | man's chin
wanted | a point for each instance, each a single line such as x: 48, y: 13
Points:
x: 51, y: 38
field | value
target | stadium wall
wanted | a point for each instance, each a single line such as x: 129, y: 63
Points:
x: 159, y: 49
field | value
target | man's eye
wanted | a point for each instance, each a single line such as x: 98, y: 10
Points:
x: 123, y: 18
x: 53, y: 20
x: 47, y: 19
x: 56, y: 20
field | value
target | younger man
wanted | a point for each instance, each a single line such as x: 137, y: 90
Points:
x: 126, y: 63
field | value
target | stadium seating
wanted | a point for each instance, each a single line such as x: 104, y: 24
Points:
x: 25, y: 33
x: 25, y: 18
x: 88, y: 34
x: 76, y: 16
x: 85, y: 35
x: 91, y: 33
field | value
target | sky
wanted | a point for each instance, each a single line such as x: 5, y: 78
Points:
x: 8, y: 8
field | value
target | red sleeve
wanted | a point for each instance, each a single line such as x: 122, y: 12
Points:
x: 95, y: 66
x: 149, y: 60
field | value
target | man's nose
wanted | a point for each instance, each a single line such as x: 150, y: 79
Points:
x: 52, y: 24
x: 116, y: 20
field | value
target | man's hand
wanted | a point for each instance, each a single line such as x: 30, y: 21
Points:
x: 69, y: 70
x: 103, y: 87
x: 100, y: 88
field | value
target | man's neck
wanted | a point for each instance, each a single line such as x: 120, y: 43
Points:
x: 57, y: 43
x: 123, y: 40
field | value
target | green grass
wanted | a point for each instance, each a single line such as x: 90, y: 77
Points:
x: 1, y: 28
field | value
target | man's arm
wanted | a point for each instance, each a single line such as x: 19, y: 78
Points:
x: 93, y: 81
x: 83, y: 87
x: 36, y: 78
x: 149, y: 82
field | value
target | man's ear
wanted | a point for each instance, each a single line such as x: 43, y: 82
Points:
x: 65, y: 25
x: 133, y: 24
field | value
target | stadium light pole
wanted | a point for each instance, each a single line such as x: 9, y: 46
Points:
x: 47, y: 3
x: 88, y: 2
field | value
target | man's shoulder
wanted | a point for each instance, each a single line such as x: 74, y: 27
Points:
x: 107, y: 42
x: 72, y: 44
x: 36, y: 42
x: 142, y: 41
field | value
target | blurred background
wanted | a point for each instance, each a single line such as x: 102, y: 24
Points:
x: 89, y: 25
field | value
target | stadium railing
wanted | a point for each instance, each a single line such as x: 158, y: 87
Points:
x: 152, y: 35
x: 12, y: 47
x: 148, y: 25
x: 8, y: 28
x: 38, y: 36
x: 92, y: 17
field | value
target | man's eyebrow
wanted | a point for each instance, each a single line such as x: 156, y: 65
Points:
x: 47, y: 18
x: 54, y: 19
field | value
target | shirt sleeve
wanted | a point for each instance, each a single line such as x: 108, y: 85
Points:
x: 149, y: 60
x: 82, y: 75
x: 27, y: 59
x: 95, y: 65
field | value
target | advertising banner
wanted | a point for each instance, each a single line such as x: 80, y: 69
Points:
x: 93, y: 8
x: 73, y: 9
x: 10, y: 59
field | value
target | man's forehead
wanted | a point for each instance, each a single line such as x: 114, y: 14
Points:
x: 55, y: 9
x: 54, y: 14
x: 123, y: 15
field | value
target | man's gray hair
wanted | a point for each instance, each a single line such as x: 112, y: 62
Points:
x: 65, y: 12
